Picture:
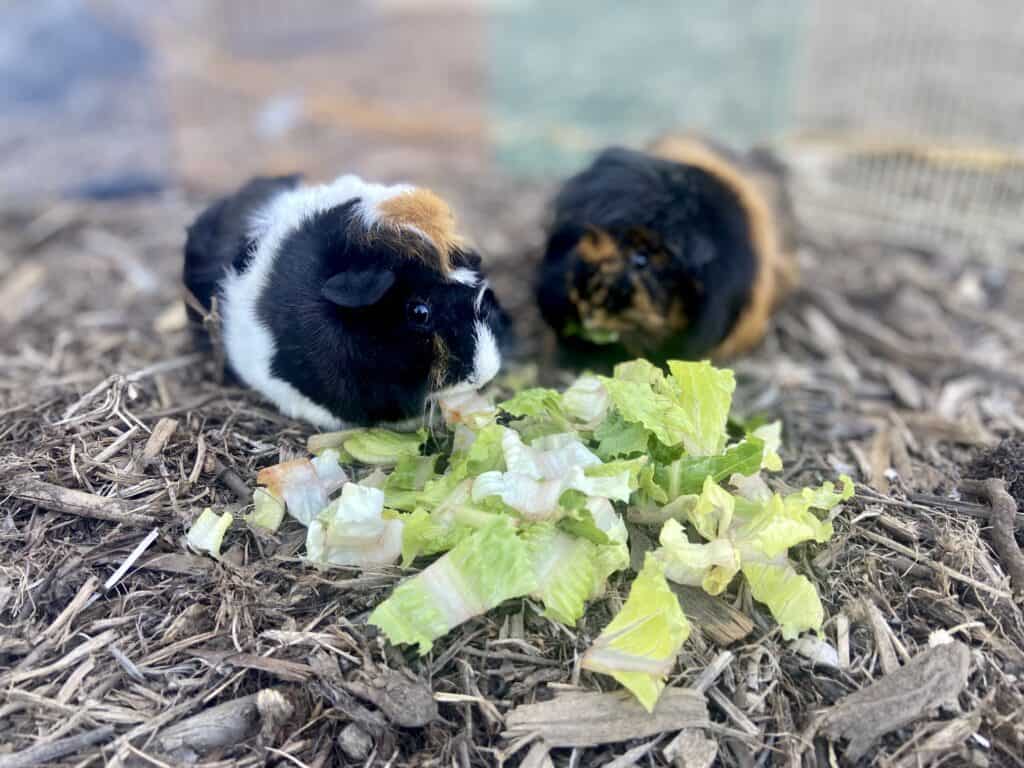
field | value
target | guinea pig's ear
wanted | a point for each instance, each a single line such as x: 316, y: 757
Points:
x: 358, y: 288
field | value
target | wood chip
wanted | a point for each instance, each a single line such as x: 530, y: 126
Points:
x: 280, y: 668
x: 723, y: 624
x: 879, y: 459
x: 162, y: 432
x: 942, y: 744
x: 227, y: 723
x: 356, y: 743
x: 42, y: 754
x: 72, y: 502
x: 882, y: 634
x: 932, y: 678
x: 405, y: 700
x: 538, y: 757
x: 585, y: 719
x: 691, y: 749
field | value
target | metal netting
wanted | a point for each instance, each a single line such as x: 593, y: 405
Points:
x: 915, y: 111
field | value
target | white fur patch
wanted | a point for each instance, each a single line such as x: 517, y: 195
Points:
x: 487, y: 358
x: 248, y: 342
x: 479, y: 300
x: 465, y: 276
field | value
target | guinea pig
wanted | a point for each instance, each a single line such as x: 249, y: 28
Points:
x: 674, y: 252
x: 344, y: 304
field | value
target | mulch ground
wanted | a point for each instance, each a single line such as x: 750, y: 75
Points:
x: 900, y: 365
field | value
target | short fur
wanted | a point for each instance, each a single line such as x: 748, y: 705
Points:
x: 675, y: 250
x: 426, y: 213
x: 316, y: 285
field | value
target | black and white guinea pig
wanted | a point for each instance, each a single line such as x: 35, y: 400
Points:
x: 347, y: 303
x: 674, y: 252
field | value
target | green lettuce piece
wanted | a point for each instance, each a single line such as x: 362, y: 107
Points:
x: 207, y: 532
x: 403, y: 486
x: 565, y: 568
x: 268, y: 510
x: 535, y: 402
x: 382, y: 447
x: 686, y: 475
x: 791, y: 598
x: 580, y: 523
x: 824, y: 497
x: 712, y: 515
x: 481, y: 572
x: 486, y: 453
x: 777, y: 527
x: 638, y: 402
x: 586, y: 401
x: 352, y: 531
x: 690, y: 407
x: 639, y: 647
x: 619, y: 478
x: 613, y: 556
x: 426, y: 533
x: 771, y: 436
x: 782, y: 523
x: 648, y: 486
x: 711, y: 565
x: 706, y: 394
x: 617, y: 437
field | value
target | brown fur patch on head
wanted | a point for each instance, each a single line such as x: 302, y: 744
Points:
x: 429, y: 216
x: 772, y: 264
x: 597, y: 247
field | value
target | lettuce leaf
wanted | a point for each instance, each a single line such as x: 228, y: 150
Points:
x: 565, y: 568
x: 711, y: 565
x: 637, y: 402
x: 403, y: 486
x: 771, y: 436
x: 268, y: 510
x: 586, y: 402
x: 482, y: 571
x: 207, y: 532
x: 469, y: 409
x: 712, y: 515
x: 706, y: 394
x: 327, y: 465
x: 791, y: 598
x: 686, y: 475
x: 690, y: 407
x: 299, y: 485
x: 352, y: 531
x: 425, y: 533
x: 754, y: 536
x: 617, y: 437
x: 639, y: 647
x: 776, y: 527
x: 536, y: 402
x: 382, y: 447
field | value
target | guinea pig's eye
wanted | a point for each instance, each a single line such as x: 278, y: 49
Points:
x: 418, y: 313
x: 638, y: 260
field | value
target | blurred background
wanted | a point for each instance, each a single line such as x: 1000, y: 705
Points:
x: 872, y: 102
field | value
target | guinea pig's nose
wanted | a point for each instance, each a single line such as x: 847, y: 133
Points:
x: 620, y: 294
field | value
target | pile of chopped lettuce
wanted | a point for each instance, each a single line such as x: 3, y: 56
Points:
x: 527, y: 498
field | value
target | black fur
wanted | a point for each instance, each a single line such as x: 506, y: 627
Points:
x: 337, y: 305
x: 695, y: 219
x: 219, y: 240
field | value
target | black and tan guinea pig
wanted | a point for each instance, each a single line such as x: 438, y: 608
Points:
x: 673, y: 252
x: 347, y: 303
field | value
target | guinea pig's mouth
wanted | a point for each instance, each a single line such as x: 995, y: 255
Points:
x: 462, y: 388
